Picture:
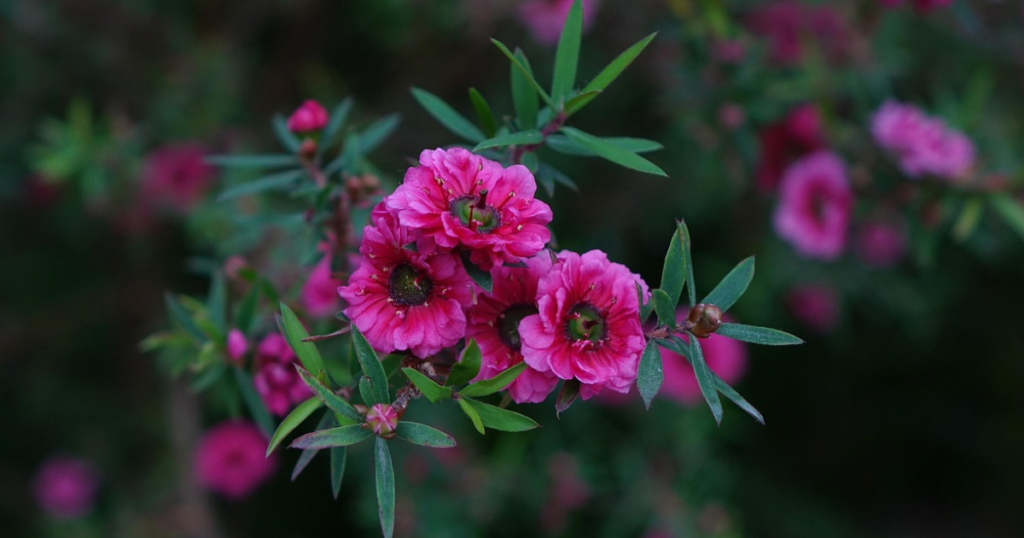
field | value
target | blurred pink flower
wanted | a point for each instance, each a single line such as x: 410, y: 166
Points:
x: 587, y: 327
x: 545, y: 18
x: 813, y: 212
x: 237, y: 346
x: 922, y: 144
x: 731, y: 116
x: 276, y: 379
x: 175, y: 176
x: 231, y: 459
x: 797, y: 134
x: 724, y: 356
x: 310, y: 116
x: 815, y: 305
x: 65, y: 487
x: 728, y: 51
x: 319, y: 294
x: 922, y: 6
x: 788, y: 25
x: 881, y: 242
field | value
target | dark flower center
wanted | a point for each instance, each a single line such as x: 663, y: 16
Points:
x: 508, y: 324
x: 585, y: 323
x: 408, y: 286
x: 474, y: 213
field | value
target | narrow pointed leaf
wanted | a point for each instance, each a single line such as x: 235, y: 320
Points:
x: 330, y: 399
x: 217, y: 304
x: 286, y: 137
x: 758, y: 335
x: 292, y: 421
x: 664, y: 308
x: 567, y: 54
x: 483, y: 113
x: 563, y: 144
x: 247, y: 310
x: 365, y: 392
x: 277, y: 181
x: 447, y: 115
x: 423, y: 435
x: 645, y: 307
x: 731, y: 393
x: 341, y: 436
x: 500, y: 419
x: 521, y: 138
x: 252, y: 161
x: 183, y: 317
x: 580, y: 100
x: 376, y: 133
x: 526, y: 73
x: 613, y: 153
x: 468, y: 366
x: 524, y: 96
x: 472, y: 413
x: 732, y: 287
x: 339, y: 455
x: 617, y: 66
x: 326, y: 421
x: 567, y: 395
x: 494, y: 384
x: 673, y: 273
x: 252, y: 400
x: 295, y: 333
x: 691, y: 284
x: 705, y: 378
x: 372, y: 368
x: 1011, y: 211
x: 650, y: 374
x: 385, y: 472
x: 480, y: 277
x: 434, y: 392
x: 338, y: 117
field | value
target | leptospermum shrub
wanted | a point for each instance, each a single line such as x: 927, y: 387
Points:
x: 457, y: 294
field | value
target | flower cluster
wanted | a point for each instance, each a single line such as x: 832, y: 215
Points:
x: 922, y: 144
x: 276, y: 379
x: 231, y: 459
x: 568, y: 316
x: 815, y: 206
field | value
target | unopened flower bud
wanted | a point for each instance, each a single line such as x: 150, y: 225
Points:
x: 309, y: 117
x: 705, y: 319
x: 237, y: 346
x: 382, y: 420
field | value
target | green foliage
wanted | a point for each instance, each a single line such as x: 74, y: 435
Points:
x: 333, y: 437
x: 434, y: 392
x: 447, y: 115
x: 500, y: 419
x: 292, y: 421
x: 758, y: 335
x: 468, y: 366
x: 423, y: 435
x: 372, y: 370
x: 294, y: 333
x: 732, y: 287
x: 494, y: 384
x: 385, y: 472
x: 650, y: 374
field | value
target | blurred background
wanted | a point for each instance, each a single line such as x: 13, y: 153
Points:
x: 902, y: 415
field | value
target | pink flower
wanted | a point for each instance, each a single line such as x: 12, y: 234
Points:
x: 458, y: 199
x: 788, y: 24
x: 921, y: 144
x: 724, y: 356
x: 816, y: 305
x: 922, y: 6
x: 320, y: 292
x: 882, y: 242
x: 813, y: 213
x: 728, y: 51
x: 494, y: 322
x: 587, y: 327
x: 231, y: 459
x: 276, y: 379
x: 545, y: 18
x: 798, y: 134
x: 237, y: 346
x: 66, y: 487
x: 402, y: 299
x: 382, y: 419
x: 309, y: 117
x: 176, y: 176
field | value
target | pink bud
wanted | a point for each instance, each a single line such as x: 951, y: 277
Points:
x: 308, y: 117
x: 382, y: 419
x: 237, y: 345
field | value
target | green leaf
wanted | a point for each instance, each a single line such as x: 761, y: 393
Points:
x: 483, y: 112
x: 341, y: 436
x: 494, y: 384
x: 664, y: 308
x: 705, y: 379
x: 423, y: 435
x: 563, y: 144
x: 691, y: 284
x: 731, y: 393
x: 276, y: 181
x: 247, y: 310
x: 326, y: 421
x: 645, y: 308
x: 208, y: 377
x: 757, y: 335
x: 376, y: 133
x: 371, y: 367
x: 338, y: 117
x: 521, y: 138
x: 252, y: 161
x: 216, y: 304
x: 567, y: 54
x: 365, y: 392
x: 292, y: 421
x: 650, y: 374
x: 581, y: 98
x: 183, y: 317
x: 1010, y: 210
x: 284, y: 136
x: 673, y: 273
x: 500, y: 419
x: 294, y: 333
x: 468, y: 366
x: 472, y: 413
x: 385, y: 472
x: 732, y: 287
x: 434, y: 392
x: 252, y: 399
x: 339, y: 455
x: 447, y: 115
x: 613, y: 70
x: 611, y: 152
x: 524, y: 95
x: 567, y: 395
x: 969, y: 218
x: 481, y: 277
x: 329, y: 398
x: 527, y: 74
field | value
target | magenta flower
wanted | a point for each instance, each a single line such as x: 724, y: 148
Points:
x: 798, y: 134
x: 922, y: 144
x: 65, y: 487
x: 176, y: 176
x: 724, y: 356
x: 881, y: 242
x: 813, y: 213
x: 320, y: 292
x: 787, y: 25
x: 922, y: 6
x: 494, y: 322
x: 309, y: 117
x: 545, y: 18
x: 276, y: 379
x: 458, y: 199
x: 237, y: 346
x: 587, y: 327
x: 815, y: 305
x: 402, y: 299
x: 231, y: 459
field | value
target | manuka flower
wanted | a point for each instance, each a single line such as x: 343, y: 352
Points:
x: 545, y: 18
x: 175, y: 176
x: 494, y: 322
x: 797, y: 134
x: 922, y: 144
x: 402, y: 299
x: 461, y: 200
x: 309, y: 117
x: 587, y: 327
x: 813, y: 213
x: 319, y: 294
x: 276, y: 380
x: 815, y: 305
x: 231, y: 459
x: 66, y: 487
